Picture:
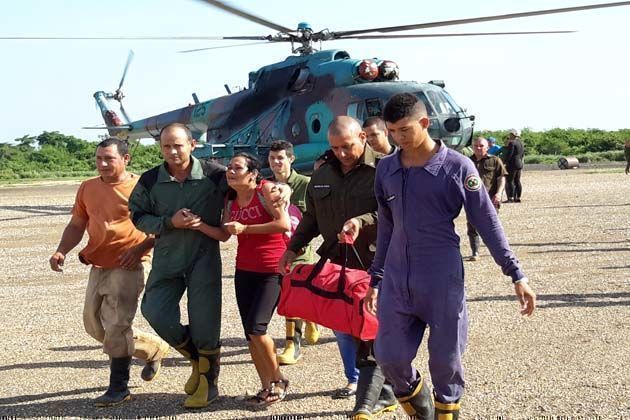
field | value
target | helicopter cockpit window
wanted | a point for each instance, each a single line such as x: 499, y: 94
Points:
x: 373, y: 107
x: 427, y: 104
x: 440, y: 103
x: 451, y: 101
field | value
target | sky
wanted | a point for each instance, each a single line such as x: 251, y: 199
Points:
x: 575, y: 80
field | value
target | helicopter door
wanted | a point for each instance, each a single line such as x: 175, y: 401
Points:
x: 318, y: 118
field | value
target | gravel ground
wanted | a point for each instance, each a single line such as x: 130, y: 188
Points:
x: 571, y: 358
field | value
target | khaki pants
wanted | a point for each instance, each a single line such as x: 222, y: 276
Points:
x: 111, y: 300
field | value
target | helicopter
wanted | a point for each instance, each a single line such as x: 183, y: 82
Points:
x: 296, y: 99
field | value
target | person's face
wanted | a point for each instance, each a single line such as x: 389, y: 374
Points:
x: 176, y: 147
x: 279, y: 162
x: 480, y: 148
x: 348, y: 148
x: 238, y: 174
x: 377, y: 138
x: 409, y: 132
x: 109, y: 163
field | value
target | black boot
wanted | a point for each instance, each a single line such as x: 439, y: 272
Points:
x: 418, y: 404
x: 447, y: 411
x: 117, y: 391
x: 386, y: 401
x: 474, y: 247
x: 369, y: 388
x: 207, y: 391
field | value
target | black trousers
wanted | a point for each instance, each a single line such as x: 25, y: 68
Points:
x: 513, y: 186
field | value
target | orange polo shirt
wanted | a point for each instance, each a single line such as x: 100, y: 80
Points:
x: 110, y: 229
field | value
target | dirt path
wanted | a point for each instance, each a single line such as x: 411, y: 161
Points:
x: 572, y: 234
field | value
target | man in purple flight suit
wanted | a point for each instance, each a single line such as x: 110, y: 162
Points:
x: 417, y: 273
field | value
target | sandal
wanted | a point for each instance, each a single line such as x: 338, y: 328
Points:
x: 260, y: 399
x: 343, y: 393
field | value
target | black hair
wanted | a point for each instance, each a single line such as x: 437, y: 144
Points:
x: 253, y: 164
x: 403, y: 105
x: 121, y: 145
x: 377, y: 121
x: 177, y: 125
x: 278, y: 145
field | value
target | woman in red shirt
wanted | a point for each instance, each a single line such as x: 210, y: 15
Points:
x: 260, y: 230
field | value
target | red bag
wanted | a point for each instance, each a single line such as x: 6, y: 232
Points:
x: 330, y: 295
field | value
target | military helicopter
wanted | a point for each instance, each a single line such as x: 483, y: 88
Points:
x: 296, y: 99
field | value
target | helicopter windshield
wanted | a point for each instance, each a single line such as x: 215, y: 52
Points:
x: 441, y: 104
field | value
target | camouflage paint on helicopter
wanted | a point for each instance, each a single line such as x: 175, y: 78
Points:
x: 296, y: 100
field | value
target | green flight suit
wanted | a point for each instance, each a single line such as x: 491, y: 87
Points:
x: 183, y: 259
x: 299, y: 185
x: 332, y: 198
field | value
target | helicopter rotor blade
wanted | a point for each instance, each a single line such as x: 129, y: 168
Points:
x: 246, y: 15
x: 129, y: 59
x: 446, y: 35
x: 131, y: 38
x: 224, y: 46
x: 344, y: 34
x: 124, y: 112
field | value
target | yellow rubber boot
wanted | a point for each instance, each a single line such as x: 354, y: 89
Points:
x: 447, y: 411
x: 293, y: 348
x: 189, y: 351
x: 207, y: 391
x: 311, y: 332
x: 419, y: 404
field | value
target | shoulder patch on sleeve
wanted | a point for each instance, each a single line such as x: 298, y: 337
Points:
x: 472, y: 183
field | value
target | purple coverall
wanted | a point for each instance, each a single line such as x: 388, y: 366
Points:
x: 418, y: 266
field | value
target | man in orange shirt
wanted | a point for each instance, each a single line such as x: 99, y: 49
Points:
x: 116, y: 250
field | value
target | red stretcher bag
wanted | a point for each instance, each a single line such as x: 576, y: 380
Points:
x: 330, y: 295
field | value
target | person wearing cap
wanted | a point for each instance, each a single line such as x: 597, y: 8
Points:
x: 493, y: 148
x: 417, y: 272
x: 513, y: 160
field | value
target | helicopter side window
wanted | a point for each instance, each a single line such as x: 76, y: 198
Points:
x: 427, y: 104
x: 441, y: 104
x: 451, y: 101
x: 373, y: 107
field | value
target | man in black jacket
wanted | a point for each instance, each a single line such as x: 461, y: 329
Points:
x: 514, y: 164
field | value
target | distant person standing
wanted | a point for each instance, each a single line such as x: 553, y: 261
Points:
x: 492, y: 174
x: 493, y: 148
x: 116, y: 250
x: 514, y: 164
x: 626, y: 152
x: 377, y: 135
x: 281, y: 157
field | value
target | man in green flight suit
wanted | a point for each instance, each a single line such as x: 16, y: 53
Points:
x: 281, y: 157
x: 172, y: 201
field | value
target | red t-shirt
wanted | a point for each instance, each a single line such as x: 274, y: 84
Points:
x: 257, y: 252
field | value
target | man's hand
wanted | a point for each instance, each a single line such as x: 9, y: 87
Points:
x: 56, y: 261
x: 370, y: 300
x: 285, y: 195
x: 185, y: 219
x: 285, y: 261
x: 131, y: 258
x: 235, y: 228
x: 526, y: 297
x: 350, y: 229
x: 496, y: 200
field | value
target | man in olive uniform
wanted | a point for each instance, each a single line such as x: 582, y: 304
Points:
x: 340, y: 201
x: 281, y: 157
x: 626, y: 152
x: 169, y: 202
x: 492, y: 174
